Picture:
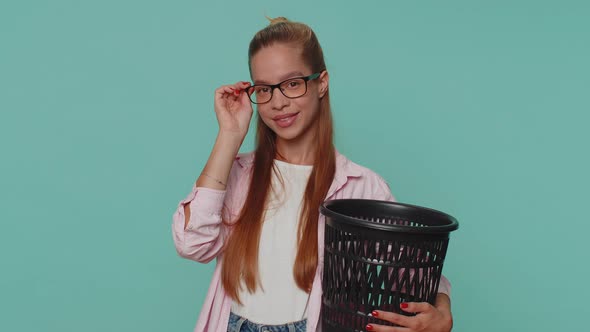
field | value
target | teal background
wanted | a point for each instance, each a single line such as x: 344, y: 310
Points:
x: 479, y: 109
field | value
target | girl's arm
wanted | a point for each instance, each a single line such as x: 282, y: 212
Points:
x: 198, y: 230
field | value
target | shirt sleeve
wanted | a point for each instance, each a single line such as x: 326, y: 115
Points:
x: 382, y: 190
x: 444, y: 286
x: 205, y: 233
x: 200, y: 241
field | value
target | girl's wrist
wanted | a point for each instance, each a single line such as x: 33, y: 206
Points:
x: 230, y: 137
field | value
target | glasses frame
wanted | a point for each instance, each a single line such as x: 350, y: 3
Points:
x: 278, y: 85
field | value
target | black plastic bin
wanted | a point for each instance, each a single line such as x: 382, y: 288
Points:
x: 377, y: 255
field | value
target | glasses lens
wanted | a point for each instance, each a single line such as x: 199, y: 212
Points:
x: 260, y: 94
x: 294, y: 88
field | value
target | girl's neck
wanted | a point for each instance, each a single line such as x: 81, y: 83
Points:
x: 295, y: 152
x: 300, y: 150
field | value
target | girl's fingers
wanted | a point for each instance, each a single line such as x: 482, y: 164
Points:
x: 241, y: 86
x: 233, y: 88
x: 232, y: 92
x: 416, y: 307
x: 226, y: 92
x: 383, y: 328
x: 229, y: 89
x: 393, y: 318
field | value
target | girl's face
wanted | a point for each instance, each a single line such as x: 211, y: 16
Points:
x: 290, y: 119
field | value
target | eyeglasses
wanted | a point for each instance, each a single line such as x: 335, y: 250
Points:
x: 291, y: 88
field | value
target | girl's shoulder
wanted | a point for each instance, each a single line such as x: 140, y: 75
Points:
x: 360, y: 181
x: 349, y: 168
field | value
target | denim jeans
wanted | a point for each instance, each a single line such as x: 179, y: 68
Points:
x: 241, y: 324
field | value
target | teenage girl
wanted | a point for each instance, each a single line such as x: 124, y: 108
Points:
x: 258, y: 213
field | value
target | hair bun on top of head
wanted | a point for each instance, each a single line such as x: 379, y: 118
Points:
x: 276, y: 20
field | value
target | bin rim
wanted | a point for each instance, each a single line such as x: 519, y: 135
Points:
x: 436, y: 229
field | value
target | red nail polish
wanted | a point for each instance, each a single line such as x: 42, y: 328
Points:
x: 369, y: 327
x: 404, y: 305
x: 375, y: 314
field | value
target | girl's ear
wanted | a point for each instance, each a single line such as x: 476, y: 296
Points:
x: 324, y: 82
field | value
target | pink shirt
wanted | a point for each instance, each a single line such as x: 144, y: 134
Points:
x: 205, y: 234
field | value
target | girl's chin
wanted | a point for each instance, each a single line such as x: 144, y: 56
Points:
x: 287, y: 136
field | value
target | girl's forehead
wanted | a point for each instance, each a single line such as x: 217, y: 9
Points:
x: 280, y: 78
x: 276, y: 63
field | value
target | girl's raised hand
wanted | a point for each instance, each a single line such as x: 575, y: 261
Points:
x: 233, y: 109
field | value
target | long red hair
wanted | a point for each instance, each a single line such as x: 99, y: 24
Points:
x: 240, y: 258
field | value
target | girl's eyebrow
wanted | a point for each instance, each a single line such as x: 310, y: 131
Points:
x: 284, y: 77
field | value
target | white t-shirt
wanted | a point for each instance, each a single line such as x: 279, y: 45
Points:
x: 279, y: 301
